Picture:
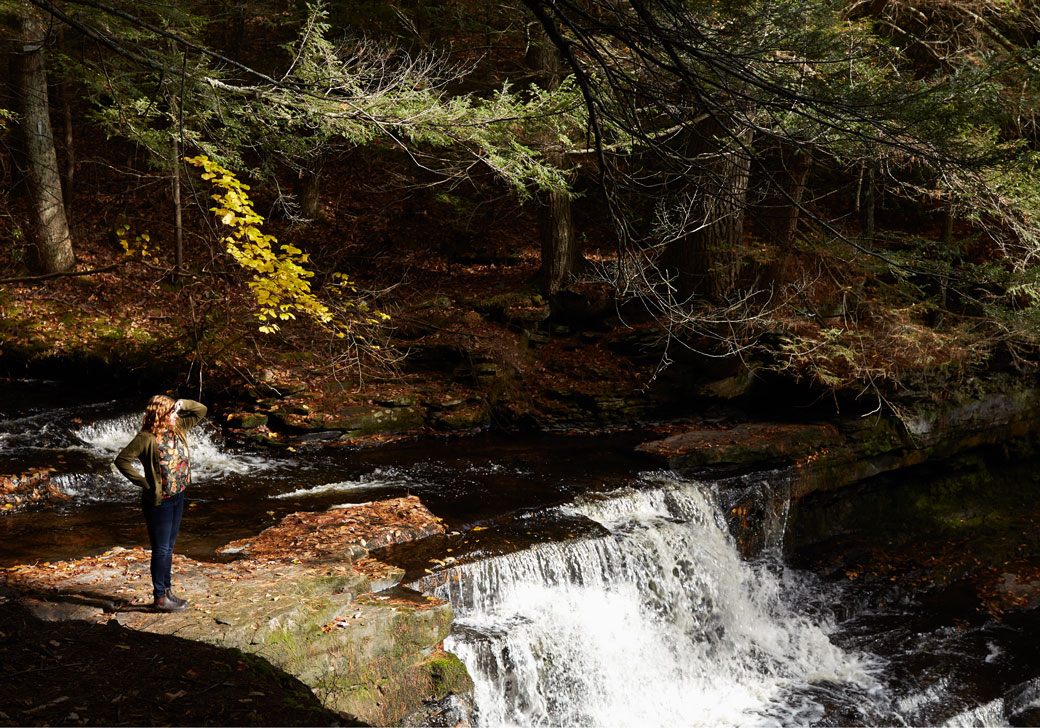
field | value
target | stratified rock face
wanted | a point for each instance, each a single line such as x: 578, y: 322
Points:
x: 829, y: 456
x: 757, y: 442
x: 302, y: 598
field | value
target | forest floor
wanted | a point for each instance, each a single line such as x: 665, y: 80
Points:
x: 456, y: 272
x: 457, y: 280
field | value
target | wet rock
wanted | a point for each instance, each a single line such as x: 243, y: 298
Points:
x: 454, y: 711
x: 1018, y: 591
x: 247, y: 421
x: 33, y: 488
x: 1022, y: 704
x: 318, y: 437
x: 361, y: 421
x: 350, y: 530
x: 748, y: 443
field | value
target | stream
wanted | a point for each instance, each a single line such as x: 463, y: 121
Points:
x: 590, y: 589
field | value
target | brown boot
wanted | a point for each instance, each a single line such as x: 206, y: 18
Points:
x: 176, y: 600
x: 169, y: 603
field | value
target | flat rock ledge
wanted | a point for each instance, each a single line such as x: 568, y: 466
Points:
x: 304, y: 595
x: 831, y: 455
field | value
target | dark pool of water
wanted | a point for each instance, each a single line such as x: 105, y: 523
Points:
x: 240, y: 490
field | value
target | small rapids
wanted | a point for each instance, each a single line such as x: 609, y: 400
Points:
x: 380, y: 479
x: 209, y: 458
x: 660, y: 623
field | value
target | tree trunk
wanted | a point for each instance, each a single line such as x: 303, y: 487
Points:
x: 704, y: 261
x: 308, y: 192
x: 777, y: 221
x: 559, y: 253
x: 866, y: 209
x: 946, y: 235
x: 67, y: 187
x: 560, y: 258
x: 50, y: 226
x: 178, y: 219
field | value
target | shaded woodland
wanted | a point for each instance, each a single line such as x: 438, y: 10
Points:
x: 368, y: 197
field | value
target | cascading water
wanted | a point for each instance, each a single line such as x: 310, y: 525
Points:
x: 209, y: 458
x: 659, y: 623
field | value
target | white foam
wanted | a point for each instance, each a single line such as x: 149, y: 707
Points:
x: 660, y: 624
x: 209, y: 458
x: 983, y: 716
x: 378, y: 479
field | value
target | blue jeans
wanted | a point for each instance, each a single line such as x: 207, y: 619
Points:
x: 163, y: 522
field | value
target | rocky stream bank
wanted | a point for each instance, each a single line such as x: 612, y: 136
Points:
x: 303, y: 599
x: 306, y: 606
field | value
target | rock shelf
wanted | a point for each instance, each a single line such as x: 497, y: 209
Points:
x: 304, y: 595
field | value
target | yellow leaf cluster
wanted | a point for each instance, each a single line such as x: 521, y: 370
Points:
x: 139, y: 247
x: 280, y: 282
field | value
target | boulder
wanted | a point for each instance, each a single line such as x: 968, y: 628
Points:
x: 247, y: 420
x: 356, y: 422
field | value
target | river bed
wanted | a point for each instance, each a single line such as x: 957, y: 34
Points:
x: 588, y: 588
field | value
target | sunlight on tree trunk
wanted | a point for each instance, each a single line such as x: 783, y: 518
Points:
x: 178, y: 223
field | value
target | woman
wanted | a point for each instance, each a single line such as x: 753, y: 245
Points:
x: 162, y: 450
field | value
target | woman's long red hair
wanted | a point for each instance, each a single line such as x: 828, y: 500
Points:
x: 157, y: 415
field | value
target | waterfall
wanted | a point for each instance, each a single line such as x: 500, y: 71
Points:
x: 659, y: 623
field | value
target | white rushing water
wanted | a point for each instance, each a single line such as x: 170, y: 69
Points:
x: 661, y: 623
x: 209, y: 458
x: 378, y: 479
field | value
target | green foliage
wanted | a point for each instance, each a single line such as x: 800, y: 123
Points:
x: 364, y: 93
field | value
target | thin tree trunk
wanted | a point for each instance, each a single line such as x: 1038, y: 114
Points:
x: 559, y: 253
x: 946, y: 236
x: 178, y: 220
x: 309, y: 195
x: 866, y: 210
x: 50, y: 226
